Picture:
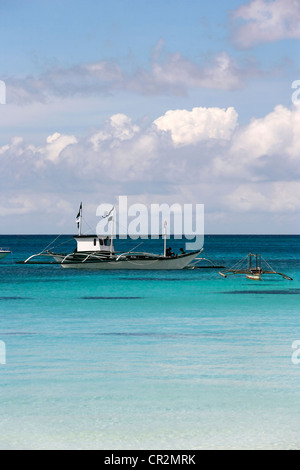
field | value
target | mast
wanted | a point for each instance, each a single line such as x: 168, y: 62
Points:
x: 112, y: 220
x: 165, y: 239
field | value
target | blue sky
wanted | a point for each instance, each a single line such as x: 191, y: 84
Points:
x: 164, y: 101
x: 73, y: 31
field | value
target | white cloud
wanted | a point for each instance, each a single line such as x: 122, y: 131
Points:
x: 56, y: 143
x: 17, y: 205
x: 278, y: 197
x: 276, y: 133
x: 169, y: 74
x: 16, y: 145
x: 266, y: 148
x: 117, y: 129
x: 200, y: 124
x: 177, y: 73
x: 266, y: 21
x: 80, y: 80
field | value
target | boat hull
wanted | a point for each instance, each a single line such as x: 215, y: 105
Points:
x: 3, y: 254
x: 131, y: 263
x: 254, y: 277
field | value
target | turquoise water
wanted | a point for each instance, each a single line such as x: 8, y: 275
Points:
x: 150, y: 360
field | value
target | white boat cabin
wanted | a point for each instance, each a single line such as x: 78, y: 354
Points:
x: 93, y: 243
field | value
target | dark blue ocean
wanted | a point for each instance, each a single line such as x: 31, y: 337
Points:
x: 150, y: 360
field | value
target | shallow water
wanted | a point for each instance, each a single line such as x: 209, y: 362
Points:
x: 150, y: 360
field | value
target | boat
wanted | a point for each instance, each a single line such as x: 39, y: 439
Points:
x: 254, y: 266
x: 94, y: 252
x: 4, y: 252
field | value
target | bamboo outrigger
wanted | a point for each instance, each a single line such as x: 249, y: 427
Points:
x: 253, y: 269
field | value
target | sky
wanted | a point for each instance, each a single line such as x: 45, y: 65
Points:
x: 168, y: 101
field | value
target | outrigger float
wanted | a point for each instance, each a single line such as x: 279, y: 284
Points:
x: 254, y: 266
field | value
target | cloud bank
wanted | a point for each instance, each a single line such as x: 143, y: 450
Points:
x: 201, y: 155
x: 172, y: 74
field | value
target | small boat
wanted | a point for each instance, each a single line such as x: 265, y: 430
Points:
x: 96, y: 252
x: 254, y: 266
x: 4, y: 252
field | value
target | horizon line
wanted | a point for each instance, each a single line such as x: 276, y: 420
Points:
x: 141, y: 236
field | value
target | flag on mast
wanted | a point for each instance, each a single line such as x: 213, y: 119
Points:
x: 79, y: 215
x: 109, y: 215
